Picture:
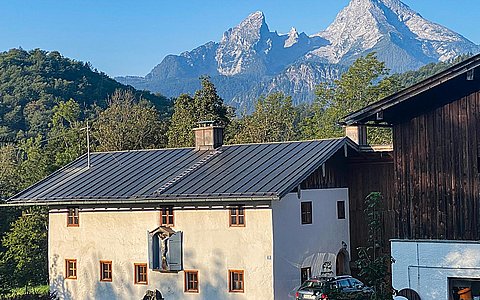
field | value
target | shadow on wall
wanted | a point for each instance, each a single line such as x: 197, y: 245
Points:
x: 57, y: 282
x: 217, y: 286
x: 105, y: 289
x: 212, y: 286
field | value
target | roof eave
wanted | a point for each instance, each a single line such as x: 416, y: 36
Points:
x: 136, y: 201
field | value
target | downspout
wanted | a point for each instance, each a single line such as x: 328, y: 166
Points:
x: 417, y: 265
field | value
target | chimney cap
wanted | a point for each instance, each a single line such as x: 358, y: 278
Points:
x: 210, y: 123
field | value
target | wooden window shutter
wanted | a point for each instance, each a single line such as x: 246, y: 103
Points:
x: 153, y: 251
x: 174, y: 254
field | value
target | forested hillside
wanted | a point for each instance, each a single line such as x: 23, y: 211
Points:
x: 412, y: 77
x: 33, y: 82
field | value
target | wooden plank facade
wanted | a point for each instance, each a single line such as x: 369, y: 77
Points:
x: 334, y: 175
x: 370, y: 174
x: 436, y: 155
x: 437, y: 184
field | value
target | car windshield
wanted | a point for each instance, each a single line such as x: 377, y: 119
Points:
x: 312, y: 284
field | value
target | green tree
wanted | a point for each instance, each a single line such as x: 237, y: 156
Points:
x: 9, y: 176
x: 26, y: 249
x: 33, y: 164
x: 206, y: 105
x: 273, y: 120
x: 373, y: 262
x: 363, y: 84
x: 128, y: 124
x: 67, y: 135
x: 183, y: 121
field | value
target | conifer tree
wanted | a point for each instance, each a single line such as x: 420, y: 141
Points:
x: 206, y: 105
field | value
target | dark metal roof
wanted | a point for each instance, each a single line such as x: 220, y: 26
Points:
x: 442, y: 88
x: 250, y: 171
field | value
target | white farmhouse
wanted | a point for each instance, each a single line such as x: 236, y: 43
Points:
x: 211, y: 222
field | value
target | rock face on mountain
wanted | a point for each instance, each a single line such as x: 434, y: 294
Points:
x: 401, y: 37
x: 251, y: 60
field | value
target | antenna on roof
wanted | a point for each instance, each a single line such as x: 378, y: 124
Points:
x: 87, y: 128
x: 88, y: 146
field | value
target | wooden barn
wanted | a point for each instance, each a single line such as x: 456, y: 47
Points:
x: 432, y: 182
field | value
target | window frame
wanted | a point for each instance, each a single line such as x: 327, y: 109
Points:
x: 231, y: 282
x: 167, y: 212
x: 195, y: 281
x: 73, y: 215
x: 234, y: 213
x: 309, y: 274
x: 136, y: 267
x: 68, y: 269
x: 306, y: 212
x: 341, y: 286
x: 341, y: 210
x: 102, y: 263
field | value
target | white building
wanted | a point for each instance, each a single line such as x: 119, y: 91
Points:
x: 214, y: 222
x: 437, y: 269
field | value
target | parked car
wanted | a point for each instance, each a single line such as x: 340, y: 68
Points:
x: 334, y: 288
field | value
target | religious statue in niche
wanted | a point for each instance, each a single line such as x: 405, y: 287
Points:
x: 159, y: 247
x: 164, y: 249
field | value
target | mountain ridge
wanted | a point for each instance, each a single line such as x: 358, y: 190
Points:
x: 250, y: 59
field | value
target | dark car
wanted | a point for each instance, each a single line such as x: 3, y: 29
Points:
x: 334, y: 288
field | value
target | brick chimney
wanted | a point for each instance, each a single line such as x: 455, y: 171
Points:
x: 357, y: 133
x: 208, y: 136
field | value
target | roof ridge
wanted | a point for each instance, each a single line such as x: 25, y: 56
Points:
x: 285, y: 142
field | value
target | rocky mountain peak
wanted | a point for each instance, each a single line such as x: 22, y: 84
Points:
x: 292, y: 38
x: 238, y: 49
x: 365, y: 25
x: 254, y: 21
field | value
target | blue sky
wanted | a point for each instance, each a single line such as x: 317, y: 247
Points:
x: 130, y: 37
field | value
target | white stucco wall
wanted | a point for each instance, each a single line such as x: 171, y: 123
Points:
x: 209, y: 246
x: 425, y: 266
x: 294, y: 242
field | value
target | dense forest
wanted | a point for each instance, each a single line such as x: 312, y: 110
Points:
x: 48, y: 102
x: 33, y: 82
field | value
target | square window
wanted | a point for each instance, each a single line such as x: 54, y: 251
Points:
x: 341, y: 210
x: 72, y: 217
x: 166, y: 216
x: 71, y: 269
x: 236, y: 281
x: 237, y: 216
x: 306, y: 210
x: 305, y: 274
x: 140, y: 273
x: 105, y: 270
x: 191, y: 281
